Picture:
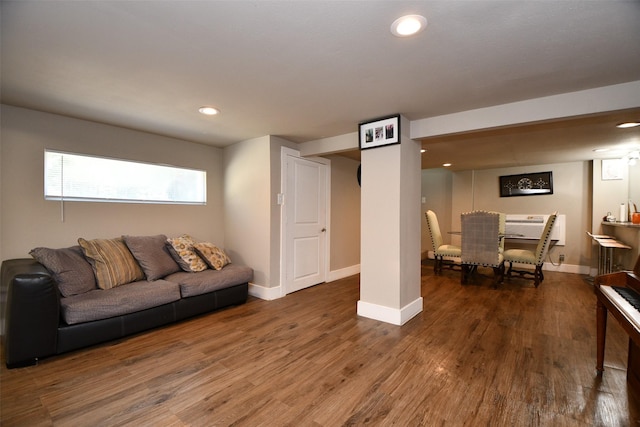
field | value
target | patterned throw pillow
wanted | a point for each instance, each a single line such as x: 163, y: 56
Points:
x: 112, y: 262
x: 181, y: 248
x: 212, y: 255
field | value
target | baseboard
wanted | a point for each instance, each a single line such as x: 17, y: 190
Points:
x: 390, y: 315
x: 343, y: 272
x: 563, y: 268
x: 276, y: 292
x: 265, y: 293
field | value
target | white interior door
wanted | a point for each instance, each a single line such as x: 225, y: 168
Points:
x: 305, y: 204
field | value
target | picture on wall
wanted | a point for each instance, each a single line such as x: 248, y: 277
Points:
x: 379, y: 132
x: 613, y: 169
x: 528, y: 184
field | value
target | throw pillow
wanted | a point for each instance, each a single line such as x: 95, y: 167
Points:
x: 69, y: 268
x: 152, y: 254
x: 181, y: 248
x: 212, y: 255
x: 112, y: 262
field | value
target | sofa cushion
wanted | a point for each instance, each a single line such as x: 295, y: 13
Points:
x: 102, y: 304
x: 181, y: 248
x: 215, y: 257
x: 68, y: 266
x: 210, y: 280
x: 152, y: 254
x: 112, y: 262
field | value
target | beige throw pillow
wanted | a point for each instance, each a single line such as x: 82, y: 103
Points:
x: 112, y: 262
x: 181, y: 248
x: 211, y: 254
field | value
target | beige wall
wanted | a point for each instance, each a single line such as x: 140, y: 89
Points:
x: 345, y: 213
x: 436, y: 196
x: 241, y: 215
x: 247, y: 205
x: 579, y: 193
x: 29, y: 221
x: 571, y: 197
x: 607, y: 197
x: 451, y: 193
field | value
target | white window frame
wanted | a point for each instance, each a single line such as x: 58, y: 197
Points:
x: 103, y: 179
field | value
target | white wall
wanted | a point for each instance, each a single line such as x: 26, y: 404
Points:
x: 29, y: 221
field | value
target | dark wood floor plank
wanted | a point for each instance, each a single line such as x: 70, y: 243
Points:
x: 516, y: 355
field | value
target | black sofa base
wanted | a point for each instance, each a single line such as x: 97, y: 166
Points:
x: 33, y: 329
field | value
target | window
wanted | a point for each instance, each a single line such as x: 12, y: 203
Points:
x: 90, y: 178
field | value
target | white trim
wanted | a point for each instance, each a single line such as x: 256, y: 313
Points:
x: 343, y: 272
x: 564, y: 268
x: 388, y: 314
x: 590, y: 101
x: 265, y: 293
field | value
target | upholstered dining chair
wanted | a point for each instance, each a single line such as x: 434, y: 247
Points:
x: 502, y: 229
x: 482, y: 243
x: 525, y: 256
x: 440, y: 250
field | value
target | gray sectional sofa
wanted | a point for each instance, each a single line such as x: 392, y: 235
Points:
x: 66, y: 299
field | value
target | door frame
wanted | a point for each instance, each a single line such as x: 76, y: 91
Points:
x: 282, y: 199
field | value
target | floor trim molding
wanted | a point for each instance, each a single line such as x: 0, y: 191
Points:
x: 390, y: 315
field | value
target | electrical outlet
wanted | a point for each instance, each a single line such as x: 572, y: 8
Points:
x: 561, y: 257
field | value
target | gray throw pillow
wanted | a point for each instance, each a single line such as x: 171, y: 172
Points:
x: 69, y: 268
x: 152, y: 255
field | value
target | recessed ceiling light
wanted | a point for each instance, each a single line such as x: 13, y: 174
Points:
x: 628, y: 125
x: 446, y: 165
x: 408, y: 25
x: 600, y: 150
x: 423, y: 151
x: 208, y: 111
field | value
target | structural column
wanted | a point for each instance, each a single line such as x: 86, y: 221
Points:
x: 391, y: 230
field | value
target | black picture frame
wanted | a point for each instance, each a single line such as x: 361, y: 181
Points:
x: 526, y: 184
x: 379, y: 132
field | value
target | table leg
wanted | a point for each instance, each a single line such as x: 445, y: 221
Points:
x: 601, y: 334
x: 600, y: 260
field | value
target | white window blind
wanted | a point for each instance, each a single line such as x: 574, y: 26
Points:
x: 89, y: 178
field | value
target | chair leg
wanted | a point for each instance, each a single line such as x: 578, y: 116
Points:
x: 537, y: 276
x: 498, y: 273
x: 437, y: 265
x: 464, y: 274
x: 509, y: 270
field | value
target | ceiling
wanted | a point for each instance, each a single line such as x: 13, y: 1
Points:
x: 304, y: 70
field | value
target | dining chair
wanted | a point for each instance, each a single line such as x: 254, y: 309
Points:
x: 502, y: 229
x: 440, y: 250
x: 481, y: 244
x: 524, y: 256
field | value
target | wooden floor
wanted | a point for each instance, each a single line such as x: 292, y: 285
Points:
x: 515, y: 356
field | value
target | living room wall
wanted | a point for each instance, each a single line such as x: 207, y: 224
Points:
x: 27, y: 220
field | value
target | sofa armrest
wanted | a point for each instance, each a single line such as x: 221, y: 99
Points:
x: 32, y: 312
